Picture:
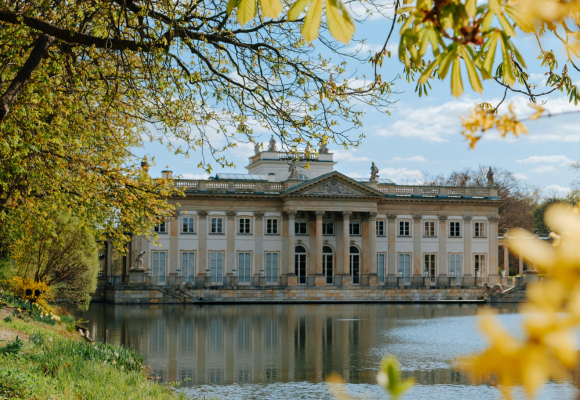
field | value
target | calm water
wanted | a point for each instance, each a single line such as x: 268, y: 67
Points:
x: 286, y: 351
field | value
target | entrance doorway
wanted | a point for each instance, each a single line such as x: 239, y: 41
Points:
x: 327, y: 264
x: 355, y: 265
x: 300, y: 264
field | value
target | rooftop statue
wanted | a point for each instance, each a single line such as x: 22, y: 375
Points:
x: 257, y: 148
x: 272, y: 144
x: 490, y: 177
x: 293, y: 169
x: 374, y: 173
x: 323, y: 149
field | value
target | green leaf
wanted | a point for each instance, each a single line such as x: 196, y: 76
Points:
x: 456, y: 82
x: 522, y: 23
x: 231, y: 5
x: 471, y: 71
x: 486, y: 23
x: 429, y: 70
x: 471, y: 8
x: 490, y: 55
x: 340, y: 23
x: 507, y: 27
x: 495, y: 6
x: 312, y: 21
x: 508, y: 70
x: 297, y: 9
x: 247, y: 10
x: 446, y: 61
x: 271, y: 8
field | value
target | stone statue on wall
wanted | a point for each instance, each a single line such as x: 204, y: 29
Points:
x: 293, y: 169
x: 272, y: 144
x: 490, y: 177
x: 257, y: 148
x: 139, y: 261
x: 323, y: 149
x: 374, y: 173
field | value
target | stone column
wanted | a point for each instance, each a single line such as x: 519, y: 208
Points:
x: 202, y: 243
x: 506, y: 260
x: 493, y: 250
x: 231, y: 242
x: 259, y: 245
x: 319, y: 279
x: 392, y: 254
x: 373, y: 275
x: 292, y: 278
x: 173, y: 247
x: 417, y: 236
x: 365, y: 266
x: 346, y: 277
x: 443, y: 269
x: 467, y: 256
x: 521, y: 263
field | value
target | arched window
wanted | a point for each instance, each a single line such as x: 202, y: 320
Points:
x: 300, y: 264
x: 355, y: 265
x: 328, y: 264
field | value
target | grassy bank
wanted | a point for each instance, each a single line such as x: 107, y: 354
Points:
x: 51, y: 361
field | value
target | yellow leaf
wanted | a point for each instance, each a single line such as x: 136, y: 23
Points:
x: 312, y: 21
x: 247, y: 10
x: 539, y: 111
x: 507, y: 27
x: 508, y: 70
x: 471, y: 71
x: 340, y: 23
x: 271, y: 8
x: 456, y: 82
x: 471, y: 8
x: 297, y: 9
x: 231, y: 5
x: 490, y: 55
x: 495, y: 6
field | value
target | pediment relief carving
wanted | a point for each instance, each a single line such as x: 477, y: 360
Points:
x: 334, y: 187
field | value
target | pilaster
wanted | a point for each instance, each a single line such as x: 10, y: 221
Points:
x: 319, y: 279
x: 292, y: 279
x: 493, y: 250
x: 417, y: 235
x: 346, y: 277
x: 173, y: 246
x: 467, y: 258
x: 443, y: 268
x: 202, y: 242
x: 392, y: 236
x: 372, y: 253
x: 259, y: 245
x: 231, y: 242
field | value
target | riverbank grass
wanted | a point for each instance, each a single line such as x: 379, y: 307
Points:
x: 42, y: 361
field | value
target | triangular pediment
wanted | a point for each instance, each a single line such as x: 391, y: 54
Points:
x: 334, y: 184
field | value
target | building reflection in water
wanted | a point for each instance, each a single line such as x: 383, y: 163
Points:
x: 225, y: 344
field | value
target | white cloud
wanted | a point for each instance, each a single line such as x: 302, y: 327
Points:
x: 520, y: 176
x: 555, y: 159
x: 194, y: 176
x: 400, y: 174
x: 544, y: 168
x: 352, y: 155
x: 556, y: 190
x: 412, y: 159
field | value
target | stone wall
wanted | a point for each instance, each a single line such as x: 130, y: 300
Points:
x: 516, y: 294
x: 160, y: 295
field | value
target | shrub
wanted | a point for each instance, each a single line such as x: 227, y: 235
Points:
x: 26, y: 289
x: 13, y: 347
x: 13, y: 385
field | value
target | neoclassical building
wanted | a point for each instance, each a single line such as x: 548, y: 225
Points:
x: 285, y: 225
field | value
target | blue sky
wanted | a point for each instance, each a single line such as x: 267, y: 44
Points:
x: 423, y: 134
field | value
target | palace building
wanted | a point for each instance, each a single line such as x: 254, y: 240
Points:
x: 282, y: 225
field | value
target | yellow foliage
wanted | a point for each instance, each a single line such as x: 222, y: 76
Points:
x: 548, y: 348
x: 18, y: 286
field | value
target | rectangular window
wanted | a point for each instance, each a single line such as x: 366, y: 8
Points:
x: 271, y: 226
x: 405, y: 267
x: 187, y: 267
x: 216, y: 265
x: 404, y: 228
x: 380, y: 228
x: 271, y: 267
x: 244, y: 225
x: 328, y: 227
x: 158, y: 269
x: 217, y: 225
x: 354, y: 227
x: 381, y: 267
x: 479, y: 229
x: 429, y: 266
x: 455, y: 266
x: 188, y: 225
x: 479, y: 265
x: 430, y: 229
x: 454, y: 229
x: 244, y: 268
x: 160, y: 227
x: 300, y: 227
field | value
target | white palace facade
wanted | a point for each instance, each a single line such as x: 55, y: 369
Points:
x: 318, y: 227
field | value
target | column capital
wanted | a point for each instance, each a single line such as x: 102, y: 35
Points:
x: 442, y: 218
x: 417, y: 217
x: 259, y: 215
x: 202, y: 214
x: 391, y: 217
x: 467, y: 218
x: 493, y: 219
x: 231, y: 214
x: 319, y: 214
x: 289, y: 214
x: 373, y: 216
x: 346, y: 214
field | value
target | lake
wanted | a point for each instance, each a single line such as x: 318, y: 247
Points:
x: 253, y: 351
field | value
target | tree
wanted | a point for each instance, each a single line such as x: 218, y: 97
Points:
x: 83, y: 83
x: 64, y: 257
x: 519, y: 199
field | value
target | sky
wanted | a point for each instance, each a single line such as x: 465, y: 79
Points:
x: 423, y: 134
